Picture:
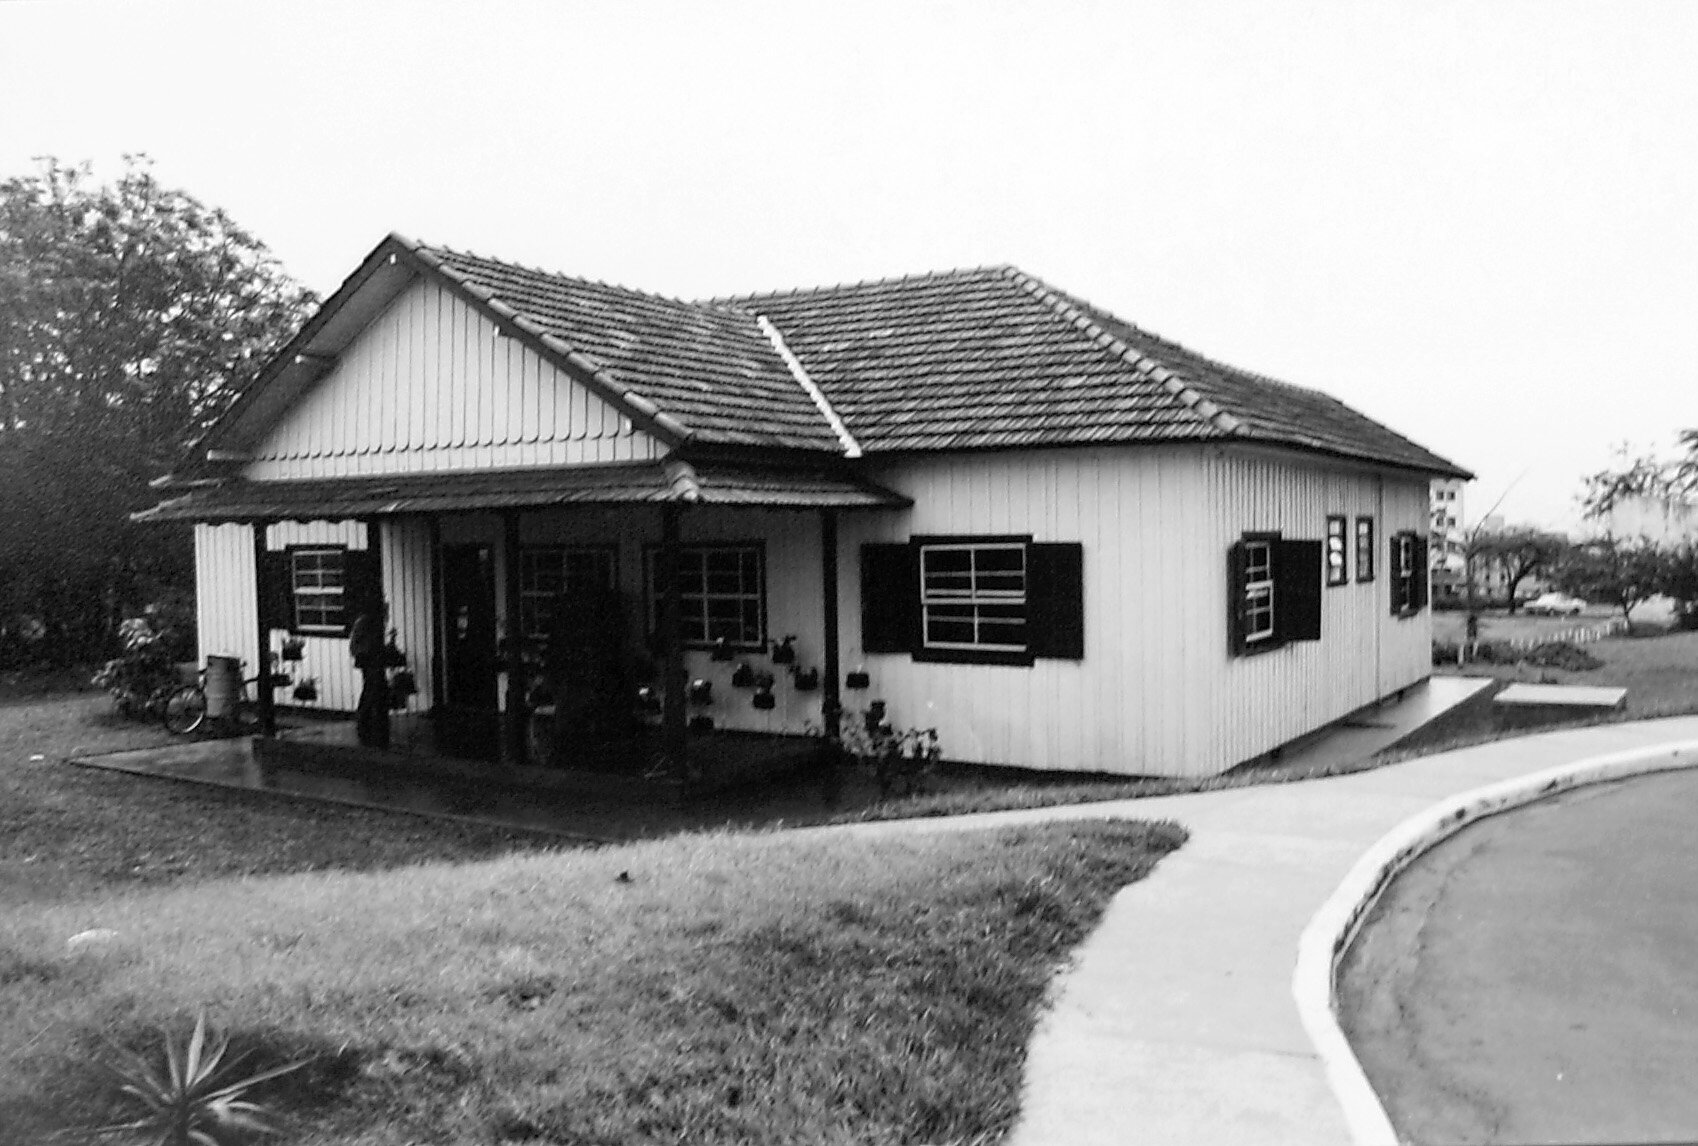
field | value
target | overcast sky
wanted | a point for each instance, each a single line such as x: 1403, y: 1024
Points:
x: 1476, y: 222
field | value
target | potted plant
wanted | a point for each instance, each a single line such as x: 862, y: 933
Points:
x: 764, y: 699
x: 721, y: 650
x: 701, y: 691
x: 307, y: 690
x: 294, y: 648
x: 807, y: 680
x: 744, y: 677
x: 784, y: 652
x: 859, y: 678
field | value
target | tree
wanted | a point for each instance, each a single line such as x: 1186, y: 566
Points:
x: 1647, y: 475
x: 1621, y: 573
x: 1518, y: 552
x: 1680, y: 583
x: 130, y: 314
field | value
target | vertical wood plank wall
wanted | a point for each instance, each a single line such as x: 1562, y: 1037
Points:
x: 432, y: 385
x: 225, y: 604
x: 1157, y: 693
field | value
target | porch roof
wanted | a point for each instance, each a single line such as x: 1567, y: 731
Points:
x: 675, y: 481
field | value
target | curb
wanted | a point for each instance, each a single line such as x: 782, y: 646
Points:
x: 1331, y: 930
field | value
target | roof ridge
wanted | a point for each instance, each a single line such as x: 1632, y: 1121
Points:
x: 558, y: 275
x: 894, y: 280
x: 851, y: 448
x: 1169, y: 379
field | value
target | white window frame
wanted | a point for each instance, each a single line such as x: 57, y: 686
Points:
x: 1403, y: 569
x: 974, y: 602
x: 1259, y: 598
x: 1366, y: 557
x: 317, y: 597
x: 692, y: 560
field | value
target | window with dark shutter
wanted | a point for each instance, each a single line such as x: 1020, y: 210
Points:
x: 890, y: 598
x: 1299, y: 591
x: 1274, y: 589
x: 1408, y: 574
x: 1055, y: 600
x: 276, y: 593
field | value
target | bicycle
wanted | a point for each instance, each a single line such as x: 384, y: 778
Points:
x: 185, y: 709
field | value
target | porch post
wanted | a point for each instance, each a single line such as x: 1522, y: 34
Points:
x: 262, y: 595
x: 674, y: 680
x: 831, y: 698
x: 438, y: 630
x: 513, y: 730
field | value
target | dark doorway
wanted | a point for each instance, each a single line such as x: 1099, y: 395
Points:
x: 469, y: 723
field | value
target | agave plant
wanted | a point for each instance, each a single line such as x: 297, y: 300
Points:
x: 198, y: 1099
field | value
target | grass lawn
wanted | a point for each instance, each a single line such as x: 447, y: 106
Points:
x: 753, y: 988
x: 1450, y: 625
x: 68, y: 832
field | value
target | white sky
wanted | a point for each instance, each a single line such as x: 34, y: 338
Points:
x: 1476, y: 222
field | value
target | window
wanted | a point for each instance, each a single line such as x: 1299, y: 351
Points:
x: 546, y: 571
x: 1338, y: 557
x: 973, y: 596
x: 1408, y: 574
x: 1004, y: 599
x: 317, y: 581
x: 722, y: 590
x: 1364, y: 549
x: 1273, y: 592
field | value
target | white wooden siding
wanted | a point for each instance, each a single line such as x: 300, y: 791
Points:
x: 226, y: 605
x: 226, y: 611
x: 1157, y: 692
x: 431, y: 384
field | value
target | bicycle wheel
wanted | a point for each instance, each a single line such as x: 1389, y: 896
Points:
x: 185, y: 709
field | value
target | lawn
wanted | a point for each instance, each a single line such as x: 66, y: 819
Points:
x: 749, y: 988
x: 68, y: 832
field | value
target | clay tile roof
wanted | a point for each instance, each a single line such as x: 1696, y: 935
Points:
x: 958, y: 360
x: 992, y: 357
x: 710, y: 368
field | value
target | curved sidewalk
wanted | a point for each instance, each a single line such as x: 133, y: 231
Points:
x: 1176, y: 1022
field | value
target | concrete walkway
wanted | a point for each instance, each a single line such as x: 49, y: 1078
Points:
x: 1177, y: 1021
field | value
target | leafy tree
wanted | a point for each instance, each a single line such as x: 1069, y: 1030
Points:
x: 1680, y: 583
x: 1644, y: 475
x: 1621, y: 573
x: 130, y: 313
x: 1518, y: 552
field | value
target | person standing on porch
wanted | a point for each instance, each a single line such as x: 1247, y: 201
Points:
x: 365, y: 642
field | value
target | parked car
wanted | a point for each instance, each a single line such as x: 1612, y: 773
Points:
x: 1554, y: 605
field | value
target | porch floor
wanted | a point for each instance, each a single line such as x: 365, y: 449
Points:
x: 319, y: 760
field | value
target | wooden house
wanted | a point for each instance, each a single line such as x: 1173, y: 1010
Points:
x: 1061, y: 541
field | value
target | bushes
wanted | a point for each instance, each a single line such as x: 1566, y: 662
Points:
x: 1564, y: 655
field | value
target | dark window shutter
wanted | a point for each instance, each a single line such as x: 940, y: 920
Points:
x: 1297, y: 594
x: 1055, y: 600
x: 890, y: 598
x: 1393, y: 577
x: 362, y: 579
x: 1235, y: 559
x: 277, y: 590
x: 1418, y: 590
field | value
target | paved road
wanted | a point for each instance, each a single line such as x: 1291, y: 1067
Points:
x: 1535, y: 978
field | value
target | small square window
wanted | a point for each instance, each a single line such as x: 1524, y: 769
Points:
x: 722, y: 593
x: 973, y: 596
x: 317, y: 581
x: 1364, y: 549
